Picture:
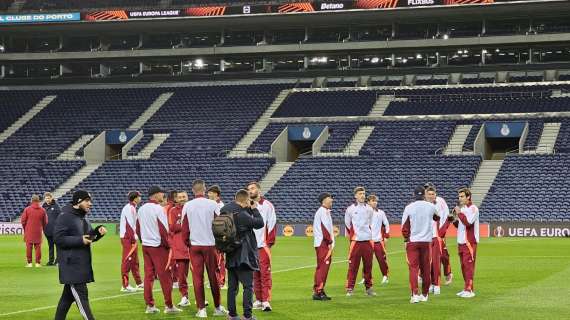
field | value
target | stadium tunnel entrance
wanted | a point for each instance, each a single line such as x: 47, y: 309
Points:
x: 497, y: 139
x: 299, y: 140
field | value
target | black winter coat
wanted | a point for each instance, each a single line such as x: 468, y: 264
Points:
x: 74, y: 257
x: 246, y: 220
x: 53, y: 212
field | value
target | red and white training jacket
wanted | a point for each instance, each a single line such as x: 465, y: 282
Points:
x: 468, y: 226
x: 128, y: 224
x: 266, y: 236
x: 152, y: 225
x: 323, y: 229
x: 200, y: 213
x: 417, y: 221
x: 443, y: 212
x: 220, y: 204
x: 358, y: 220
x: 379, y: 220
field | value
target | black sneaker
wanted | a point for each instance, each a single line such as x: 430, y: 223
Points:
x: 317, y: 296
x: 325, y: 297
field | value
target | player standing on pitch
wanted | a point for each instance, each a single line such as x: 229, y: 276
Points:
x: 467, y: 224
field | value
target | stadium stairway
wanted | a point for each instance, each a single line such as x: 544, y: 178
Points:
x: 240, y: 149
x: 548, y: 138
x: 75, y: 179
x: 273, y: 175
x: 353, y: 148
x: 26, y: 117
x: 382, y: 103
x: 455, y: 145
x: 70, y: 153
x: 483, y: 180
x: 150, y: 148
x: 151, y: 110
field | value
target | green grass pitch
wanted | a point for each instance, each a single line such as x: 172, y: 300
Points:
x: 515, y: 279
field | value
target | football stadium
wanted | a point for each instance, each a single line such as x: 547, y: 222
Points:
x: 284, y: 159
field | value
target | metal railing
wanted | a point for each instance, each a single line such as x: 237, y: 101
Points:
x: 476, y: 95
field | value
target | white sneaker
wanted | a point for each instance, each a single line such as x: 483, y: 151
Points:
x: 361, y: 281
x: 460, y: 293
x: 202, y: 313
x: 257, y: 305
x: 265, y: 306
x: 172, y: 310
x: 140, y: 286
x: 128, y: 289
x: 385, y: 280
x: 436, y: 290
x: 152, y: 309
x: 175, y: 285
x: 431, y: 288
x: 448, y: 279
x: 38, y: 265
x: 184, y: 302
x: 415, y: 299
x: 349, y: 293
x: 423, y: 298
x: 220, y: 312
x: 467, y: 294
x: 29, y: 265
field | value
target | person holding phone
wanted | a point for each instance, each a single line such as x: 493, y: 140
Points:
x: 73, y: 237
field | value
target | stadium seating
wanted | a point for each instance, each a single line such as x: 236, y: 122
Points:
x: 207, y: 121
x: 391, y: 177
x: 22, y: 178
x: 529, y: 188
x: 340, y: 135
x: 14, y: 104
x: 327, y: 104
x: 110, y: 183
x: 408, y: 137
x: 72, y: 114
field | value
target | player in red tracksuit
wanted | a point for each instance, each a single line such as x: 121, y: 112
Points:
x: 265, y: 236
x: 128, y: 235
x: 417, y: 230
x: 152, y: 229
x: 168, y: 204
x: 214, y: 194
x: 436, y: 244
x: 467, y: 224
x: 358, y: 221
x: 178, y: 226
x: 323, y: 234
x: 34, y: 219
x: 200, y: 213
x: 380, y: 233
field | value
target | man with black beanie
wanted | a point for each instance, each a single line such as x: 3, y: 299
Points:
x: 73, y: 237
x: 242, y: 262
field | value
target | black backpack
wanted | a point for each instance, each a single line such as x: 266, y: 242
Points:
x: 225, y: 232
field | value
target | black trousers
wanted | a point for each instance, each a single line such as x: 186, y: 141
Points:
x: 245, y: 276
x: 51, y: 245
x: 74, y: 293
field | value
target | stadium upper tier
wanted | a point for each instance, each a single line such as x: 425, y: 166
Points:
x: 205, y: 122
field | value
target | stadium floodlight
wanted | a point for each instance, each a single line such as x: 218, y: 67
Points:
x: 404, y: 60
x: 2, y: 48
x: 497, y: 50
x: 418, y: 56
x: 199, y: 63
x: 375, y: 60
x: 445, y: 36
